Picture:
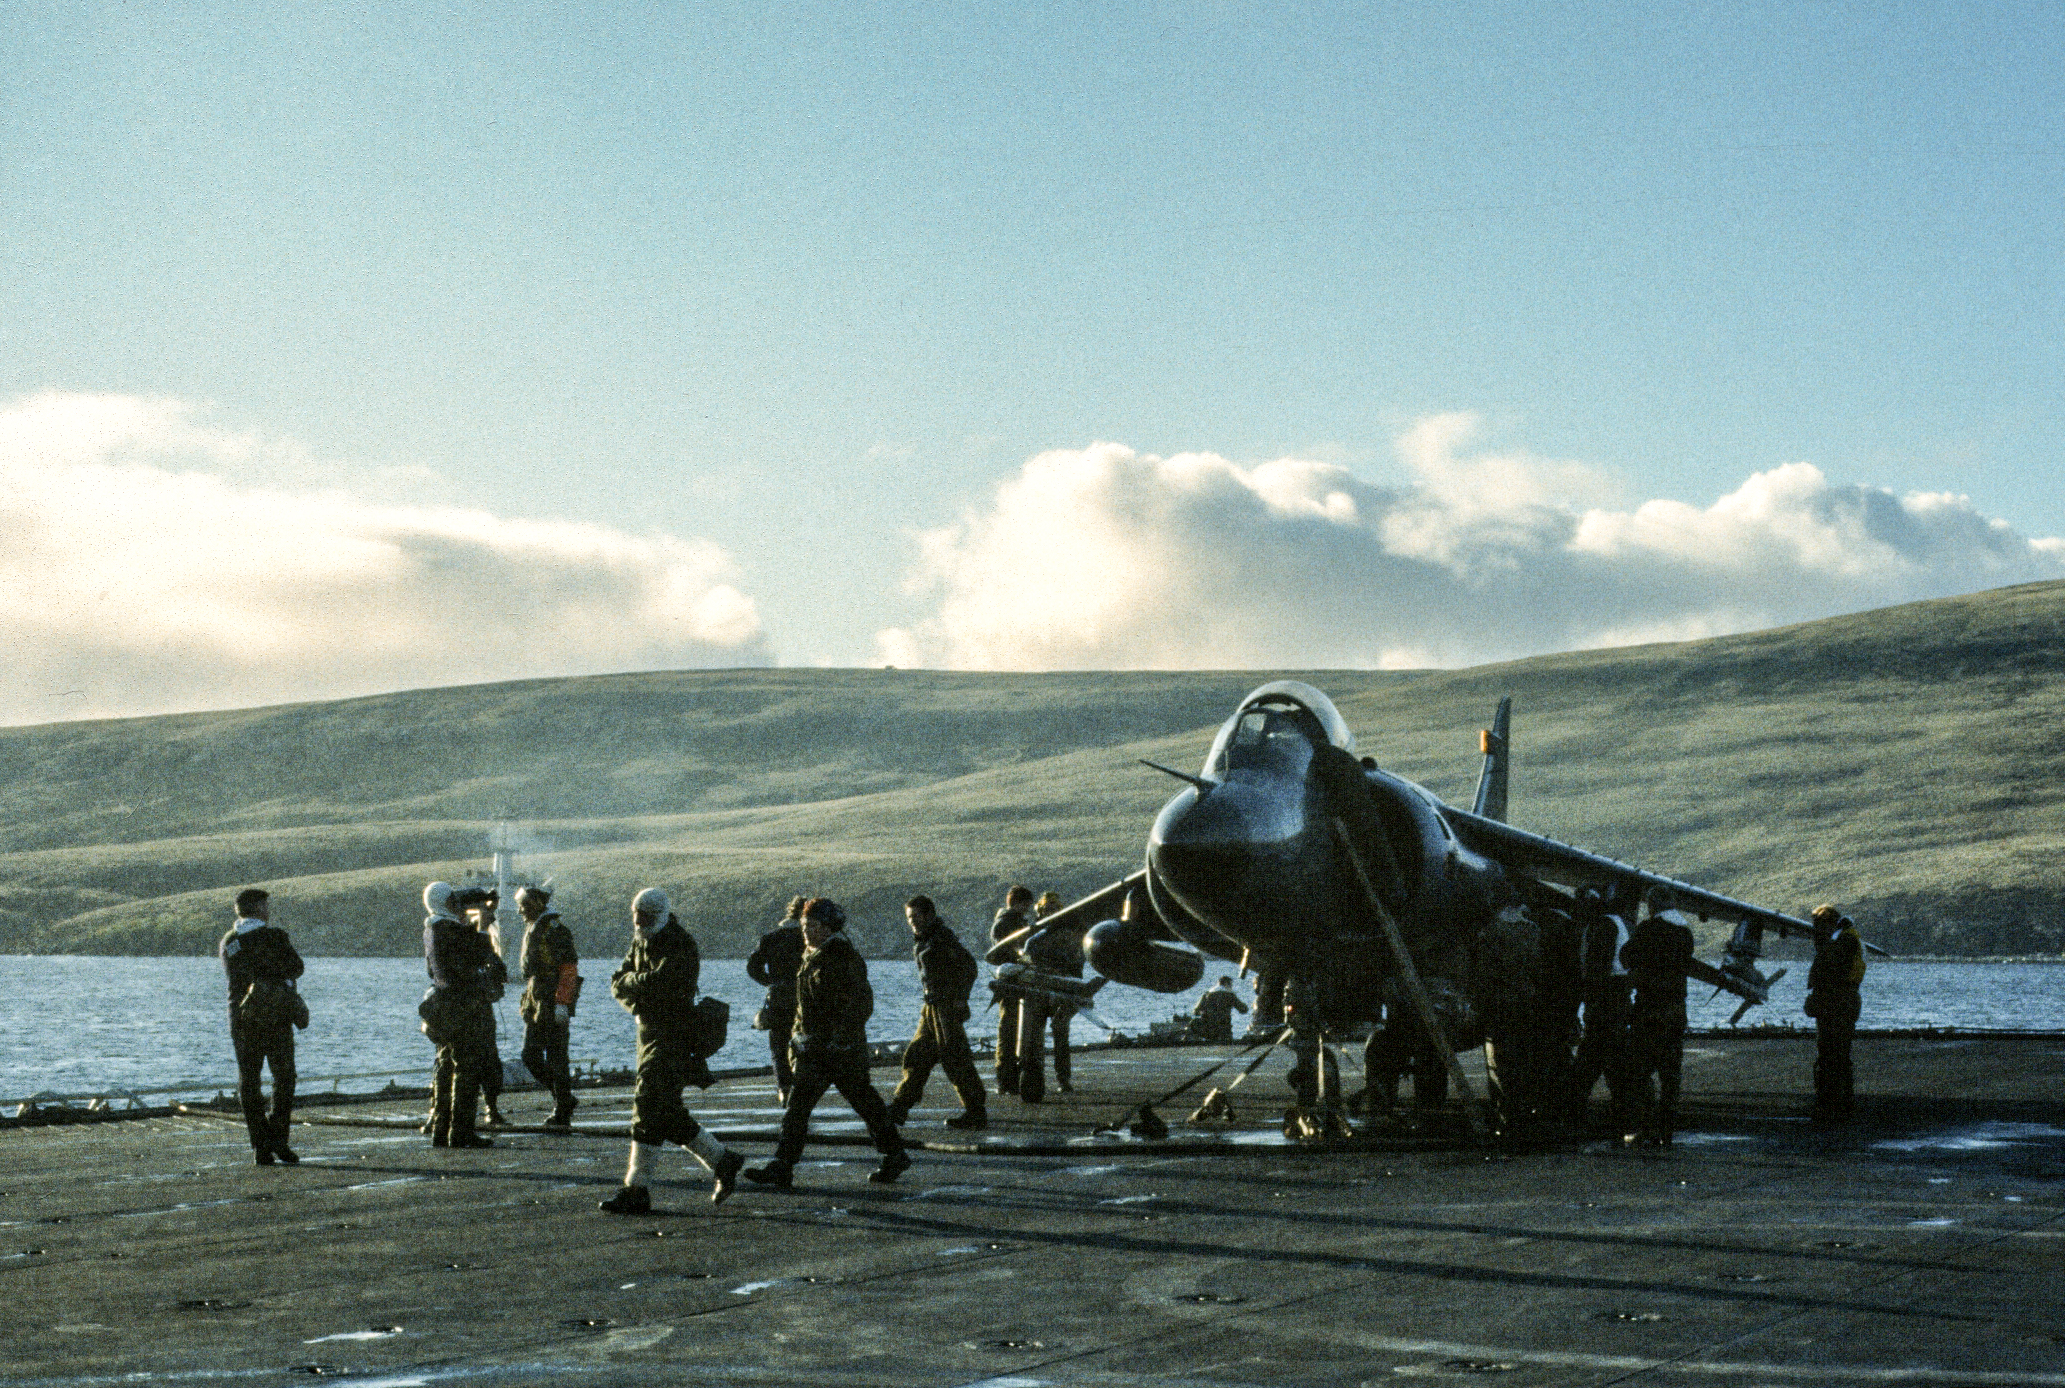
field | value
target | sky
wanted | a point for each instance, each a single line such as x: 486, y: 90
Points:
x: 353, y: 348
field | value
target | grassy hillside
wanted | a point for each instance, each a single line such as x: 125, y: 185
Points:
x: 1900, y: 761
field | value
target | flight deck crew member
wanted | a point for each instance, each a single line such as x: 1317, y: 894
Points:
x: 1051, y: 951
x: 833, y: 1004
x: 773, y: 966
x: 1212, y: 1018
x: 465, y: 975
x: 1014, y: 919
x: 1507, y: 966
x: 1834, y: 999
x: 482, y: 919
x: 657, y: 984
x: 256, y: 953
x: 551, y: 988
x: 946, y: 973
x: 1603, y: 1049
x: 1658, y: 955
x: 1269, y: 981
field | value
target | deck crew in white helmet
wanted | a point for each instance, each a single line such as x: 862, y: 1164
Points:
x: 657, y: 984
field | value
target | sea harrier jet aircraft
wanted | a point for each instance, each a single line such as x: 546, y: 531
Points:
x: 1292, y: 856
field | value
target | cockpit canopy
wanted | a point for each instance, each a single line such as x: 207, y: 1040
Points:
x: 1276, y: 729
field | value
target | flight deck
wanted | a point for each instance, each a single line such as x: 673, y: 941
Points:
x: 1922, y: 1244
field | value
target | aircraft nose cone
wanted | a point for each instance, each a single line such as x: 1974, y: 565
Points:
x: 1207, y: 848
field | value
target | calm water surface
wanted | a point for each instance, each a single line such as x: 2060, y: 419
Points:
x: 71, y: 1024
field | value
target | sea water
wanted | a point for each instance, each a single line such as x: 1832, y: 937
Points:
x: 87, y: 1025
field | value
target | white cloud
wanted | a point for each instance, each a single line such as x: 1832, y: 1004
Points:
x: 141, y: 572
x: 1103, y: 557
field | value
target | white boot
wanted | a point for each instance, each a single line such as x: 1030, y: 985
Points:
x: 636, y: 1196
x: 708, y: 1150
x: 724, y: 1164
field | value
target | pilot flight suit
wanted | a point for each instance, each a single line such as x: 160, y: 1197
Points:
x: 773, y: 966
x: 946, y: 972
x: 657, y: 984
x: 551, y: 980
x: 1658, y: 953
x: 254, y: 950
x: 1834, y: 1000
x: 467, y: 975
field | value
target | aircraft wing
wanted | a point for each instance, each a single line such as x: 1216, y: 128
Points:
x: 1574, y: 867
x: 1101, y: 904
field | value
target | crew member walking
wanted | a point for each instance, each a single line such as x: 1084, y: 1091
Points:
x: 773, y: 966
x: 264, y: 1009
x: 1834, y: 1000
x: 656, y: 983
x: 946, y: 973
x: 833, y: 1004
x: 465, y: 975
x: 551, y: 988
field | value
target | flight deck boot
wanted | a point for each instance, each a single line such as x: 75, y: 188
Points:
x: 720, y: 1161
x: 635, y: 1198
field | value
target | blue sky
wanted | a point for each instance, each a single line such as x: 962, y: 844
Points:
x: 815, y: 284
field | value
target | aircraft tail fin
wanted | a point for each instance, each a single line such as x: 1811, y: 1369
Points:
x: 1491, y: 782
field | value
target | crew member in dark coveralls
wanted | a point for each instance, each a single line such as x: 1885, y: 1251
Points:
x: 551, y: 988
x: 657, y: 984
x: 1603, y: 1049
x: 1013, y: 920
x: 1658, y: 955
x: 465, y: 974
x: 946, y: 972
x: 1212, y: 1018
x: 1834, y: 999
x: 773, y: 966
x: 1051, y: 951
x: 257, y: 954
x: 833, y: 1004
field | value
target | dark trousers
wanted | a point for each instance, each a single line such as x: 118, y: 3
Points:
x: 1037, y: 1017
x: 942, y: 1041
x: 1834, y: 1080
x: 1656, y: 1047
x: 1602, y: 1052
x: 846, y: 1070
x: 1516, y: 1074
x: 1393, y: 1051
x: 273, y: 1046
x: 778, y: 1047
x: 546, y: 1056
x: 1007, y: 1045
x: 657, y: 1113
x: 491, y: 1068
x: 462, y: 1065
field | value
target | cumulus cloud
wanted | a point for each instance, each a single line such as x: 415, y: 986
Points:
x: 1104, y: 557
x: 142, y: 572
